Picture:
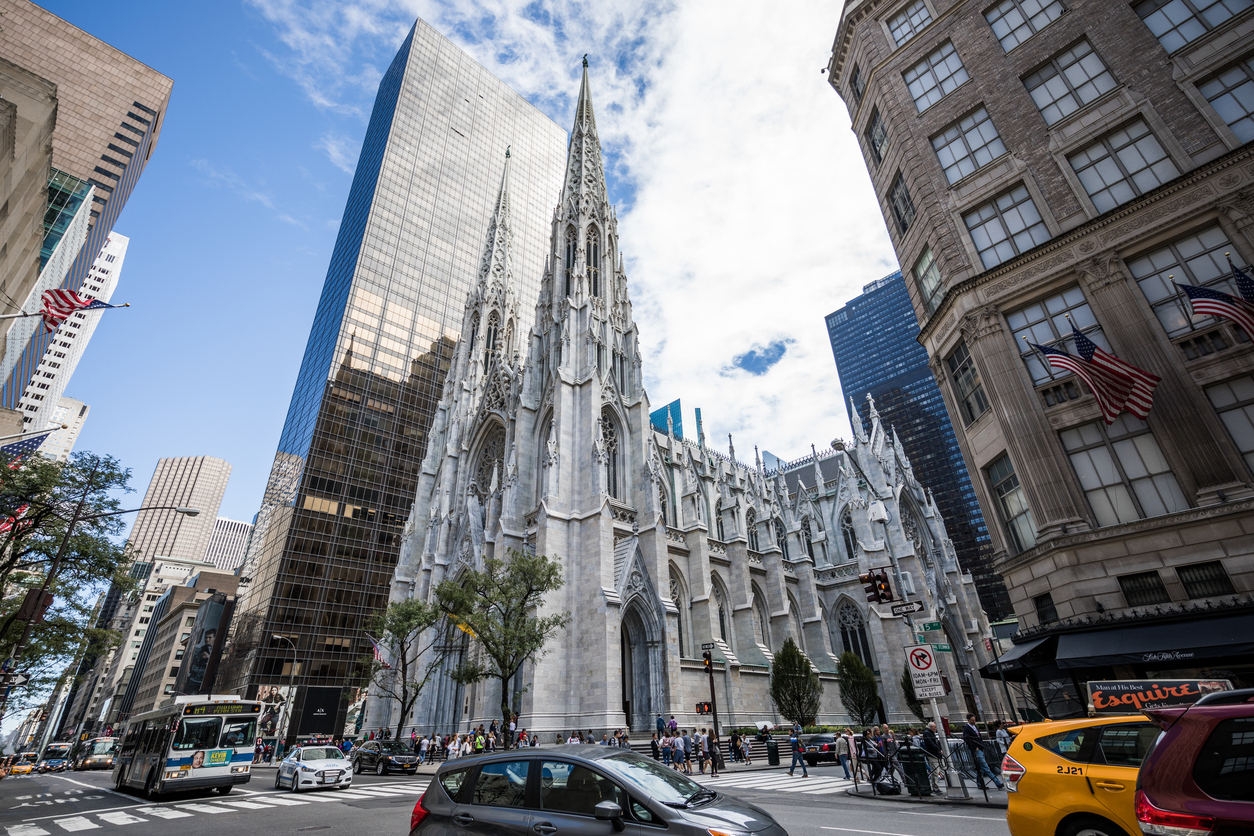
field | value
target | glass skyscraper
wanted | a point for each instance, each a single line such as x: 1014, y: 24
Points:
x: 345, y: 475
x: 874, y: 340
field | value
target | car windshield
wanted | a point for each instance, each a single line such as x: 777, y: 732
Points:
x: 650, y: 778
x: 395, y: 747
x: 321, y: 753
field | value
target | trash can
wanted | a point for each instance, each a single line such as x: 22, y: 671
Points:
x: 914, y: 764
x: 772, y: 753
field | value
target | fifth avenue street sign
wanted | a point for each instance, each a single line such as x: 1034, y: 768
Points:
x: 924, y: 672
x: 907, y: 607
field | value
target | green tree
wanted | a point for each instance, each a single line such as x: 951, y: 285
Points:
x: 499, y: 608
x: 400, y: 629
x: 795, y: 687
x: 38, y: 500
x: 907, y: 689
x: 858, y: 691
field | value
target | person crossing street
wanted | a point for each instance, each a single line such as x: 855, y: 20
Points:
x: 798, y: 748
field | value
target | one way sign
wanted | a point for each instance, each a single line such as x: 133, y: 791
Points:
x: 13, y: 680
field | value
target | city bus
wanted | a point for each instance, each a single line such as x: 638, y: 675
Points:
x: 96, y: 753
x: 199, y: 742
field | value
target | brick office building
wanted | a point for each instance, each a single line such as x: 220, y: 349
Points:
x: 1047, y: 162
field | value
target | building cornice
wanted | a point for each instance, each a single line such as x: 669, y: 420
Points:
x: 1165, y: 201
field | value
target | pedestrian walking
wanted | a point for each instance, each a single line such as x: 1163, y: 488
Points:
x: 797, y: 748
x: 842, y: 754
x: 673, y: 726
x: 975, y: 745
x: 656, y: 746
x: 711, y: 745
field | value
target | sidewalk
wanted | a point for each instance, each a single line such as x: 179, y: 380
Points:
x: 997, y: 799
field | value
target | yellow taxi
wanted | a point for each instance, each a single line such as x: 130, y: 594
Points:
x: 24, y: 765
x: 1076, y: 777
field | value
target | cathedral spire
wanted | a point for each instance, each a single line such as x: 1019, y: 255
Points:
x: 496, y: 269
x: 585, y: 175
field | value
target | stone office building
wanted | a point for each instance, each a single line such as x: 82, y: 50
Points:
x: 1043, y: 163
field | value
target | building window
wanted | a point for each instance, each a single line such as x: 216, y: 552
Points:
x: 936, y: 76
x: 1046, y: 612
x: 1014, y: 21
x: 853, y: 633
x: 722, y: 611
x: 1047, y: 323
x: 1143, y: 589
x: 609, y: 441
x: 760, y: 622
x: 570, y: 261
x: 718, y: 522
x: 1231, y: 93
x: 1177, y: 22
x: 848, y: 535
x: 807, y: 539
x: 857, y: 86
x: 968, y: 144
x: 751, y: 523
x: 1205, y: 580
x: 927, y: 276
x: 781, y: 538
x: 1122, y: 471
x: 1068, y: 81
x: 1234, y: 401
x: 1012, y: 505
x: 909, y: 21
x: 966, y: 379
x: 1006, y: 226
x: 903, y: 206
x: 1196, y: 259
x: 594, y: 260
x: 1123, y: 164
x: 876, y: 136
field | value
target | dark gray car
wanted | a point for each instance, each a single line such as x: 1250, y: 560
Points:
x: 577, y: 790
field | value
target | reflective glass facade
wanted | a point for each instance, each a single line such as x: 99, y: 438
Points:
x: 328, y: 534
x: 65, y: 194
x: 874, y: 340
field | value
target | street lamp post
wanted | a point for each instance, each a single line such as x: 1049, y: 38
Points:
x: 11, y: 663
x: 291, y: 688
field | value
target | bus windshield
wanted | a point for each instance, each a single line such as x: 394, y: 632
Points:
x: 56, y: 751
x: 104, y: 747
x: 197, y: 733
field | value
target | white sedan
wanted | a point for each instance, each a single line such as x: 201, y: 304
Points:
x: 312, y: 767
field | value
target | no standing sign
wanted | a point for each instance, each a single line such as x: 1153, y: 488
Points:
x: 924, y: 672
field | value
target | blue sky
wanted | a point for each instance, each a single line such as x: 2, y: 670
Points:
x: 745, y: 210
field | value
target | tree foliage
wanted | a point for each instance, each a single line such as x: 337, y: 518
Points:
x: 38, y: 499
x: 858, y: 691
x: 907, y: 689
x: 499, y: 608
x: 795, y: 687
x: 400, y: 629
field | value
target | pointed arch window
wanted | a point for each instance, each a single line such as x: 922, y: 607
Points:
x: 570, y: 260
x: 474, y: 331
x: 663, y: 504
x: 489, y: 339
x: 609, y: 438
x: 761, y: 625
x: 853, y: 633
x: 594, y: 260
x: 491, y: 457
x: 751, y: 524
x: 794, y: 619
x: 848, y: 536
x: 781, y: 537
x: 722, y: 611
x: 681, y: 604
x: 807, y: 539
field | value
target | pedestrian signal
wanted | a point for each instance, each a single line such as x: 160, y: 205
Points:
x: 704, y: 708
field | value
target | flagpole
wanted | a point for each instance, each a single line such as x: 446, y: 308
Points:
x: 45, y: 429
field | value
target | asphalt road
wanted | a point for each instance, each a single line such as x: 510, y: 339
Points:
x: 53, y: 805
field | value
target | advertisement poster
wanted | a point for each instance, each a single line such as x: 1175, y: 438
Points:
x: 275, y: 700
x: 317, y: 717
x: 204, y: 646
x: 356, y: 713
x: 1128, y: 696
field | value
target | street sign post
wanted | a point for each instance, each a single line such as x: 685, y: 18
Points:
x: 924, y: 672
x: 906, y: 607
x: 931, y: 625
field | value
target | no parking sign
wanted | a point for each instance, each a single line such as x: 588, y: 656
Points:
x: 924, y: 672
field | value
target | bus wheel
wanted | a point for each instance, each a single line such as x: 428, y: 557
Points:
x: 119, y: 782
x: 226, y: 789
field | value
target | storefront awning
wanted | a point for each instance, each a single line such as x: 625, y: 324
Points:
x: 1177, y: 644
x: 1012, y: 661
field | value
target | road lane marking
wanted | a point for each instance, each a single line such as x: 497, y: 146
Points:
x: 351, y: 795
x: 204, y: 808
x: 26, y: 830
x: 995, y: 819
x: 875, y: 832
x: 244, y: 805
x: 120, y: 818
x: 76, y: 823
x: 72, y: 781
x: 313, y: 797
x: 162, y: 812
x: 280, y: 800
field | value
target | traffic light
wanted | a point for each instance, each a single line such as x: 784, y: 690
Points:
x: 709, y: 662
x: 882, y: 588
x: 870, y: 587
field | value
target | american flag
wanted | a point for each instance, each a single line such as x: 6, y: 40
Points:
x: 1206, y: 301
x: 8, y: 524
x: 59, y: 304
x: 1111, y: 389
x: 1143, y: 383
x: 27, y: 444
x: 1245, y: 285
x: 378, y: 654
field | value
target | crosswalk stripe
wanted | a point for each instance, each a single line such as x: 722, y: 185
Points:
x: 244, y: 805
x: 352, y: 796
x: 118, y: 817
x: 317, y: 797
x: 204, y: 808
x: 26, y: 830
x: 162, y: 812
x: 279, y: 800
x: 76, y: 823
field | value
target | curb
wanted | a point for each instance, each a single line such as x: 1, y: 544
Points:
x: 910, y: 799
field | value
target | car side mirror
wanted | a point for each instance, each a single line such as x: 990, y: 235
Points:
x: 611, y: 812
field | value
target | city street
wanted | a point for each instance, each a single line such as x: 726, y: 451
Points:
x: 49, y: 805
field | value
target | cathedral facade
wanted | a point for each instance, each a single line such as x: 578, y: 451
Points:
x: 542, y: 442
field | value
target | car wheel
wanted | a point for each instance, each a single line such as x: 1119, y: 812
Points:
x: 380, y: 768
x: 1090, y: 826
x: 357, y: 767
x: 277, y: 773
x: 295, y: 783
x: 226, y: 789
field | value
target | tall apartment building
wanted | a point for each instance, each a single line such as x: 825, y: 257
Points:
x: 54, y: 370
x: 228, y: 544
x: 875, y: 342
x: 1062, y: 163
x: 407, y: 251
x: 188, y: 482
x: 73, y: 414
x: 108, y: 118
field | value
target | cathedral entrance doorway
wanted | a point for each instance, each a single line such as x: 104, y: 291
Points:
x: 640, y: 667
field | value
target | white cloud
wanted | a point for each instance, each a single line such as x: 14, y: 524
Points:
x: 340, y: 150
x: 254, y: 193
x: 751, y: 215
